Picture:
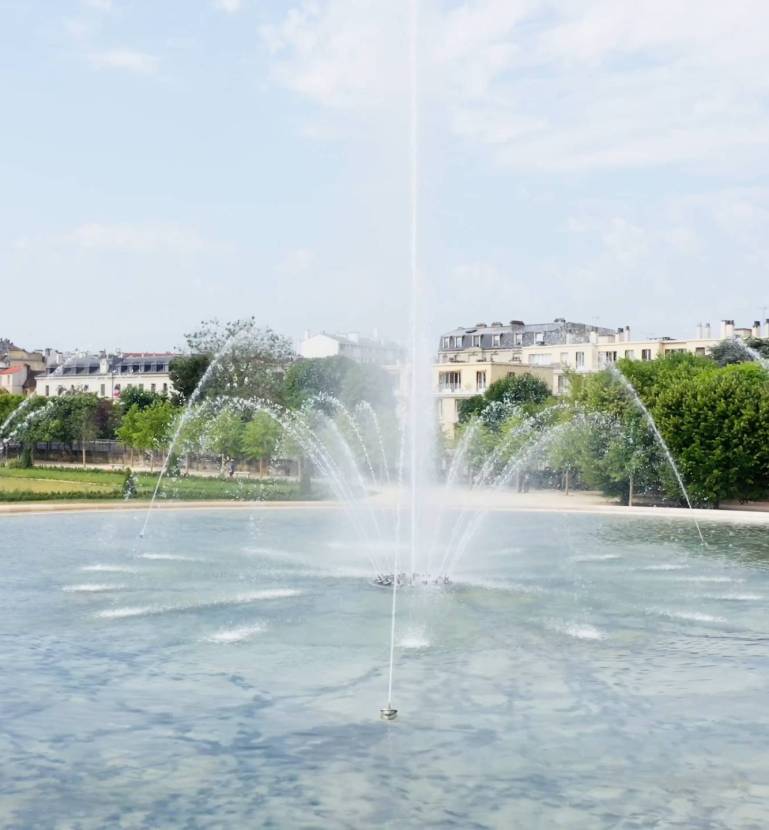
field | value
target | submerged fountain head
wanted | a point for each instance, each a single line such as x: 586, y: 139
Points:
x: 406, y: 579
x: 388, y: 713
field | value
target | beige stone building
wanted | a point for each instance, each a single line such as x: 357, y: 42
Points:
x: 458, y: 381
x: 19, y: 368
x: 469, y: 359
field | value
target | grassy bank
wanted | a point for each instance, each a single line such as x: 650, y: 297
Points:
x: 58, y: 483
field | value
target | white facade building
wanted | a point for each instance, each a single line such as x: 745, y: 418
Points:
x: 107, y: 376
x: 353, y: 345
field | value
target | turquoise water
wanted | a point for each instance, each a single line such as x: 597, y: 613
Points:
x: 583, y: 672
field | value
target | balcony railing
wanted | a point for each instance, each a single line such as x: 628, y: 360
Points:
x: 449, y: 387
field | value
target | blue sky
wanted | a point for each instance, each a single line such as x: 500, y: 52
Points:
x: 162, y: 162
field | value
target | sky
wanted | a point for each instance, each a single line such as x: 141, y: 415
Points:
x: 167, y: 162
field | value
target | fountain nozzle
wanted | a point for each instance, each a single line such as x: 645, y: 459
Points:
x: 388, y: 713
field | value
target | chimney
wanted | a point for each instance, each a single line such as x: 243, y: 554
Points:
x: 756, y: 328
x: 707, y: 331
x: 620, y: 335
x: 724, y: 325
x: 699, y: 331
x: 766, y: 327
x: 627, y: 334
x: 730, y: 328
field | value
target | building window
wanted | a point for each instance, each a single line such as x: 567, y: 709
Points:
x: 477, y: 341
x: 446, y: 343
x: 458, y: 341
x: 440, y: 407
x: 579, y: 360
x: 630, y: 354
x: 152, y: 387
x: 564, y: 358
x: 85, y: 388
x: 103, y: 390
x: 700, y: 350
x: 518, y: 338
x: 563, y: 384
x: 646, y: 354
x: 480, y: 381
x: 165, y: 388
x: 496, y: 340
x: 449, y: 381
x: 607, y: 358
x: 539, y: 359
x: 539, y: 338
x: 47, y: 391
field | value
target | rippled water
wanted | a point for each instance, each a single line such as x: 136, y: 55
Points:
x: 584, y: 672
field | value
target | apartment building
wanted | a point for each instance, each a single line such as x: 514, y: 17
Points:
x: 108, y: 375
x: 472, y: 358
x: 469, y: 359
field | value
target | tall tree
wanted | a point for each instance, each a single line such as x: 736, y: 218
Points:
x: 260, y: 438
x: 147, y: 430
x: 186, y: 372
x: 717, y: 426
x: 251, y: 360
x: 341, y: 378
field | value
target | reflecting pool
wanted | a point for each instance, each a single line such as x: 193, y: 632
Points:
x: 581, y: 671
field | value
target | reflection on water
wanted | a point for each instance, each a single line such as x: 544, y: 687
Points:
x: 583, y: 672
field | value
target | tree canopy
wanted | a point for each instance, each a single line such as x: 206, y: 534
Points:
x: 251, y: 360
x: 514, y: 390
x: 339, y: 377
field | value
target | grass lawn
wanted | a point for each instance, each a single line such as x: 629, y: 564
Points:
x: 59, y: 483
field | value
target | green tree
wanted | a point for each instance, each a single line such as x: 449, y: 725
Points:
x: 186, y: 372
x: 260, y: 438
x: 85, y: 424
x: 341, y: 378
x: 253, y: 362
x: 470, y: 408
x: 728, y: 352
x: 512, y: 391
x: 147, y: 430
x: 134, y: 396
x: 518, y: 389
x: 8, y: 403
x: 717, y: 426
x: 224, y: 436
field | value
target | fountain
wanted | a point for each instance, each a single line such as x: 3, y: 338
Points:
x: 222, y: 668
x: 639, y: 404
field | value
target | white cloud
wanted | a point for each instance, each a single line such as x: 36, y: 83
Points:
x: 128, y: 59
x: 229, y: 6
x: 296, y: 262
x: 338, y: 54
x: 572, y: 86
x: 96, y: 236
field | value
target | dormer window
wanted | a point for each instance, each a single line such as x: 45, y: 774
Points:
x: 496, y: 340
